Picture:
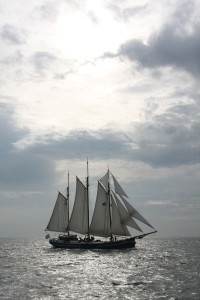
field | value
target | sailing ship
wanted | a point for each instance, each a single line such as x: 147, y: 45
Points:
x: 111, y: 221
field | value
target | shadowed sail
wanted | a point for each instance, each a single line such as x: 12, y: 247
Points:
x: 58, y: 221
x: 100, y: 224
x: 125, y: 216
x: 134, y: 213
x: 118, y: 227
x: 78, y: 221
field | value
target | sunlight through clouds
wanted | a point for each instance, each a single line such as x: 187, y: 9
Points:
x: 88, y: 34
x: 115, y: 81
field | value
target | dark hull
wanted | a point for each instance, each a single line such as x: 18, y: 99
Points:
x: 120, y: 244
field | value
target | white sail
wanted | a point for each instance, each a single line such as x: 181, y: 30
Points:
x: 125, y: 216
x: 79, y: 217
x: 134, y: 213
x: 113, y: 214
x: 100, y: 224
x: 104, y: 180
x: 118, y: 189
x: 59, y: 221
x: 117, y: 227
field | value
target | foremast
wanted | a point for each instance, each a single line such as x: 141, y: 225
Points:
x: 68, y: 231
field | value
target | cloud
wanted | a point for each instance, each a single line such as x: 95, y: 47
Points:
x: 171, y: 138
x: 15, y: 58
x: 18, y: 170
x: 162, y: 202
x: 176, y: 45
x: 80, y: 144
x: 127, y: 12
x: 168, y: 48
x: 12, y: 35
x: 42, y: 60
x: 30, y: 173
x: 8, y: 133
x: 156, y: 157
x: 48, y: 11
x: 25, y: 172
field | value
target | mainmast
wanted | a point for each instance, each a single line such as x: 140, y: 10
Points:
x: 87, y: 195
x: 109, y: 205
x: 68, y: 204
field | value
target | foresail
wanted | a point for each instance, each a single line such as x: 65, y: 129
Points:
x: 125, y: 216
x: 59, y: 221
x: 118, y: 228
x: 79, y: 217
x: 100, y: 224
x: 134, y: 213
x: 118, y: 189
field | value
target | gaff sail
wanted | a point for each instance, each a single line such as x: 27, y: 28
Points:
x: 59, y: 221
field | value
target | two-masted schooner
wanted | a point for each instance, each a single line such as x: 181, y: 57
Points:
x: 109, y: 227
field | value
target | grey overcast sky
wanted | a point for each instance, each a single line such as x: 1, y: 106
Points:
x: 114, y: 81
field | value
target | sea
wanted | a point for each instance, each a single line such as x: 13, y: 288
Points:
x: 158, y: 268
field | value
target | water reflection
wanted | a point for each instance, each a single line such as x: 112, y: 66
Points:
x: 157, y: 269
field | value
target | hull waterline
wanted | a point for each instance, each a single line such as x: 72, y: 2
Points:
x: 120, y: 244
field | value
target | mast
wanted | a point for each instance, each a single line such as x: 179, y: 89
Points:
x: 87, y: 192
x: 109, y: 205
x: 68, y: 203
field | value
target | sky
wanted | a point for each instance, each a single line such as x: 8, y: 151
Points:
x: 114, y: 81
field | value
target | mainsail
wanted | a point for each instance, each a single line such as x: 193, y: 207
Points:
x: 79, y: 217
x: 59, y: 221
x: 100, y: 224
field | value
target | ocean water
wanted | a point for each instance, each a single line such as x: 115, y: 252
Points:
x: 156, y: 269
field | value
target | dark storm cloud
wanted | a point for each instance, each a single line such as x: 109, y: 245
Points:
x: 168, y: 48
x: 80, y: 144
x: 171, y: 139
x: 12, y: 35
x: 176, y: 45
